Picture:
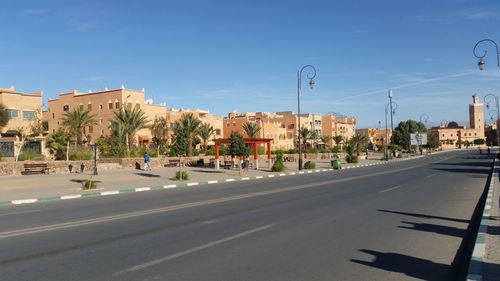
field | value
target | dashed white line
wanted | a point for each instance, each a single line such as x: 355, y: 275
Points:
x: 212, y: 182
x: 192, y: 183
x: 389, y: 189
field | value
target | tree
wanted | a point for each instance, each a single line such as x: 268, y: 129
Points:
x: 401, y: 135
x: 187, y: 127
x: 305, y: 134
x: 314, y: 136
x: 237, y: 146
x: 479, y: 141
x: 205, y: 132
x: 76, y: 120
x: 57, y: 143
x: 127, y: 122
x: 358, y: 142
x: 326, y: 140
x: 159, y: 131
x: 338, y: 139
x: 4, y: 116
x: 251, y: 129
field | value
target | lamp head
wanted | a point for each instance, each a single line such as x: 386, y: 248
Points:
x: 390, y: 93
x: 311, y: 84
x: 481, y: 64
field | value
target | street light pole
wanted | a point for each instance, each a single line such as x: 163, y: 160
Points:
x: 482, y: 62
x: 393, y: 111
x: 425, y: 117
x: 311, y: 85
x: 487, y: 99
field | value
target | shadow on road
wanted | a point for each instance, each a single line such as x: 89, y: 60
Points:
x: 147, y: 175
x: 213, y: 171
x: 408, y: 265
x: 439, y: 229
x: 424, y: 216
x: 82, y: 181
x: 465, y: 170
x: 466, y: 164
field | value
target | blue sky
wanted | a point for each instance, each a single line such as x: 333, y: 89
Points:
x: 244, y: 55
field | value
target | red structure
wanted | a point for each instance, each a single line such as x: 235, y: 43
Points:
x: 253, y: 141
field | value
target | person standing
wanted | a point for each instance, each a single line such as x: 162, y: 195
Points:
x: 147, y: 161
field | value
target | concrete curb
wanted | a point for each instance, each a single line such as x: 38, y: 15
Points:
x: 475, y: 272
x: 180, y: 185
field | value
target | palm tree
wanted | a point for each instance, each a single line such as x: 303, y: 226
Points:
x: 251, y: 128
x: 57, y: 143
x: 76, y: 120
x: 358, y: 142
x: 4, y: 116
x: 305, y: 134
x: 127, y: 122
x: 326, y: 139
x: 188, y: 125
x: 205, y: 132
x: 159, y: 131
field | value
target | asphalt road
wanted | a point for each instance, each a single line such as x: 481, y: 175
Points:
x: 399, y: 221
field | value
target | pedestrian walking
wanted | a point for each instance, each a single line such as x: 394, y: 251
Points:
x: 147, y: 161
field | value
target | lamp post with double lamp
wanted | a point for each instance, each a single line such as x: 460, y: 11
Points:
x: 488, y: 99
x: 311, y: 85
x: 482, y: 62
x: 423, y: 117
x: 393, y: 106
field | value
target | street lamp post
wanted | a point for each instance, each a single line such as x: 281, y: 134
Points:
x: 311, y: 85
x: 482, y: 62
x: 488, y: 99
x: 424, y: 117
x: 393, y: 111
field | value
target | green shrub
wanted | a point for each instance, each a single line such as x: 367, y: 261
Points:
x: 351, y: 159
x: 28, y: 155
x: 81, y: 154
x: 278, y: 166
x: 185, y: 175
x: 89, y: 184
x: 309, y: 165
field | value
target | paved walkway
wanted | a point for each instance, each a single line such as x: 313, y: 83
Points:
x: 491, y: 260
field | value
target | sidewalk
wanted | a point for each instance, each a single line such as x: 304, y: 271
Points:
x: 57, y: 185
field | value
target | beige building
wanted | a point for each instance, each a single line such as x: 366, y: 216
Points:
x: 339, y: 126
x: 103, y: 105
x: 216, y: 122
x: 452, y: 135
x: 22, y: 108
x: 377, y: 136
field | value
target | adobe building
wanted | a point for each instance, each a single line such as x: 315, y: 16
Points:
x: 22, y: 108
x: 376, y: 136
x: 204, y: 116
x: 338, y: 126
x: 103, y: 105
x: 452, y: 135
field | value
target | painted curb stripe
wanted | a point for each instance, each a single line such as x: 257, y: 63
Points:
x: 142, y: 189
x: 193, y: 183
x: 75, y: 196
x: 170, y: 186
x: 212, y: 182
x: 112, y: 192
x: 24, y: 201
x: 229, y: 180
x: 245, y: 178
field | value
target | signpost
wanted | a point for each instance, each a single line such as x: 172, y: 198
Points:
x: 418, y: 139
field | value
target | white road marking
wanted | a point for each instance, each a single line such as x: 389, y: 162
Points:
x: 245, y: 178
x: 142, y: 189
x: 74, y: 196
x: 229, y: 180
x: 192, y: 183
x: 170, y: 186
x: 192, y: 250
x: 259, y: 177
x: 430, y: 176
x: 18, y: 213
x: 212, y: 182
x: 270, y: 176
x: 210, y: 222
x: 24, y: 201
x: 111, y: 192
x: 389, y: 189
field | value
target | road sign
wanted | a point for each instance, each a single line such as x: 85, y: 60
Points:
x: 418, y: 139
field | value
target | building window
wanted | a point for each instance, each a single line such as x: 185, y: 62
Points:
x: 13, y: 113
x: 117, y: 105
x: 100, y: 106
x: 29, y: 115
x: 217, y: 131
x: 91, y: 130
x: 81, y: 106
x: 102, y: 132
x: 53, y: 115
x: 100, y: 120
x: 65, y: 108
x: 110, y: 105
x: 89, y: 106
x: 137, y: 106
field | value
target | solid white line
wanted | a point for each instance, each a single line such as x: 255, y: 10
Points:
x: 142, y: 189
x: 111, y: 192
x: 192, y: 250
x: 389, y: 189
x: 211, y: 182
x: 18, y: 213
x: 192, y: 183
x: 74, y: 196
x: 24, y: 201
x: 228, y: 180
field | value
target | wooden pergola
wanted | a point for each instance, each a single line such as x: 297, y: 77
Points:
x: 253, y: 141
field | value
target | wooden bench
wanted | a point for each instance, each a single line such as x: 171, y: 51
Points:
x: 173, y: 163
x: 35, y: 168
x: 227, y: 165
